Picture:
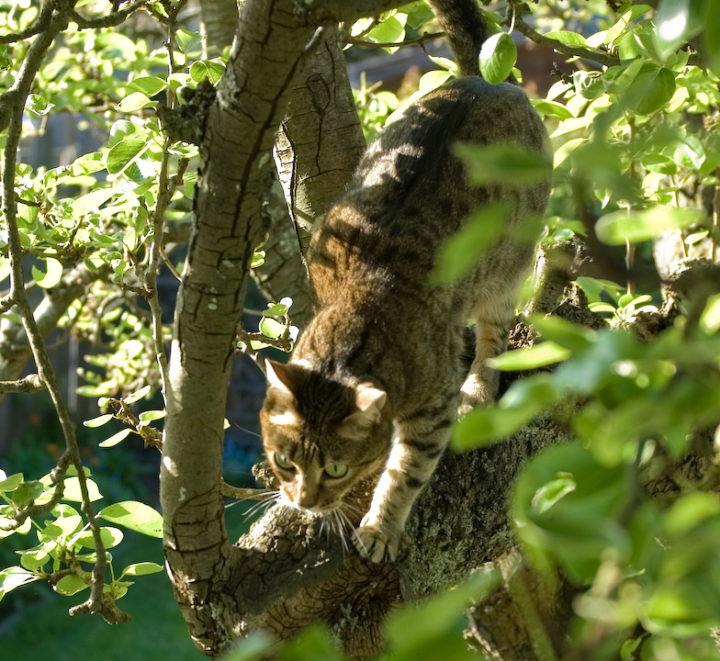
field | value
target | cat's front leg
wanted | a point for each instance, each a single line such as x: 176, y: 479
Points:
x: 419, y: 443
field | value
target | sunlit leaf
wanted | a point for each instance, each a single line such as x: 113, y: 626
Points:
x: 497, y: 57
x: 51, y: 277
x: 135, y: 516
x: 620, y: 226
x: 69, y: 585
x: 74, y: 493
x: 539, y: 355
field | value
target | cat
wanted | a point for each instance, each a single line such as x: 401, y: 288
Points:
x: 375, y: 381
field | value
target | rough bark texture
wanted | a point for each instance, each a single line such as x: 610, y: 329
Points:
x: 219, y: 21
x: 318, y: 147
x: 215, y: 582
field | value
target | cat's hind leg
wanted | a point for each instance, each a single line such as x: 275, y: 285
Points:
x: 494, y: 319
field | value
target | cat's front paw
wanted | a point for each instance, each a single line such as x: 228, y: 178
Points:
x: 376, y: 542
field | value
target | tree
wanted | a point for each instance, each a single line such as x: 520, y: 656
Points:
x: 632, y: 405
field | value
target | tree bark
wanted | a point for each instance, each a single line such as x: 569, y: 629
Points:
x: 214, y: 582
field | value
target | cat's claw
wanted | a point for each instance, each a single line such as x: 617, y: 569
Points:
x: 376, y: 544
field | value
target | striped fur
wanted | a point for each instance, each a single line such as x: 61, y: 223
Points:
x: 375, y: 381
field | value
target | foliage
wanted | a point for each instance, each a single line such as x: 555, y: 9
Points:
x: 636, y: 137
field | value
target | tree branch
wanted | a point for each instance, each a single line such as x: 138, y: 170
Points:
x: 420, y: 41
x: 31, y: 383
x: 30, y: 66
x: 571, y: 51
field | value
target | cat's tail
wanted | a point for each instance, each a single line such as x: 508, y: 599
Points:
x: 463, y: 22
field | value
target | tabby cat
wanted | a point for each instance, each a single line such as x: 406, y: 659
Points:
x: 375, y: 380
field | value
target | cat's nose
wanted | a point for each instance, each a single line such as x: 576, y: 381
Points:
x: 307, y: 497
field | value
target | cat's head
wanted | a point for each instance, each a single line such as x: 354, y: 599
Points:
x: 322, y: 437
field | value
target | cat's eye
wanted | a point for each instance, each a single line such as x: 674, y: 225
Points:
x: 283, y: 462
x: 336, y: 470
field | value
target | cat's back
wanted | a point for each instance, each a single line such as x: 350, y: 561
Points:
x: 410, y: 191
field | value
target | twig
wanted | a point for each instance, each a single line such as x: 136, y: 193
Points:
x: 40, y: 25
x: 715, y: 231
x: 6, y: 302
x: 110, y: 21
x: 28, y: 70
x: 428, y: 36
x: 571, y: 51
x: 166, y: 187
x: 31, y: 383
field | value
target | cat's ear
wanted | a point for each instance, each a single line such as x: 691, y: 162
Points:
x: 367, y: 411
x: 281, y: 378
x: 368, y: 398
x: 281, y: 400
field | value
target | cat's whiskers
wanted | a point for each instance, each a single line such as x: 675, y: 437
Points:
x: 340, y: 528
x: 270, y: 499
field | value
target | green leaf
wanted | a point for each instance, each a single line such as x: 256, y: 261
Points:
x: 709, y: 321
x: 135, y: 516
x: 134, y: 101
x: 659, y: 163
x: 271, y: 328
x: 137, y: 395
x: 99, y: 421
x: 51, y: 277
x: 567, y: 37
x: 11, y: 483
x: 187, y: 41
x: 115, y: 438
x: 38, y: 104
x: 27, y: 492
x: 124, y: 153
x: 621, y: 226
x: 72, y: 490
x: 390, y: 31
x: 147, y: 85
x: 675, y: 23
x: 251, y: 648
x: 497, y: 57
x: 92, y: 201
x: 5, y: 268
x: 69, y: 585
x: 689, y: 511
x: 412, y: 627
x: 504, y: 163
x: 652, y: 88
x: 149, y: 416
x: 461, y: 251
x: 313, y: 643
x: 551, y: 492
x: 141, y: 569
x: 545, y: 353
x: 551, y: 109
x: 203, y: 69
x: 14, y: 577
x: 109, y: 536
x: 563, y: 333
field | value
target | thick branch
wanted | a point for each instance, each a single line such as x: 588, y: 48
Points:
x: 235, y: 173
